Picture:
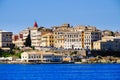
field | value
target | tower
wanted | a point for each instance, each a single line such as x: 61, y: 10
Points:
x: 35, y: 24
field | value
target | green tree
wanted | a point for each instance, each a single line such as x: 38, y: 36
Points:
x: 28, y: 40
x: 12, y: 46
x: 112, y: 33
x: 73, y: 53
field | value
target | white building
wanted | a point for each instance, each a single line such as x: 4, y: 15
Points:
x: 80, y: 39
x: 40, y: 56
x: 73, y: 40
x: 35, y: 36
x: 90, y: 37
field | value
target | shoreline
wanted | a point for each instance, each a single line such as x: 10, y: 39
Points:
x: 55, y: 63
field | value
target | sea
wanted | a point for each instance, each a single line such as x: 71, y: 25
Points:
x: 59, y: 71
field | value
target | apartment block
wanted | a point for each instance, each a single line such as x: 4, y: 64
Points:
x: 47, y: 40
x: 63, y: 36
x: 5, y: 39
x: 18, y: 40
x: 90, y: 37
x: 107, y: 43
x: 58, y: 32
x: 35, y: 35
x: 72, y: 40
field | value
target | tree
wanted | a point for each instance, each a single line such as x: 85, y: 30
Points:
x: 28, y: 41
x: 112, y: 33
x: 73, y: 53
x: 12, y: 46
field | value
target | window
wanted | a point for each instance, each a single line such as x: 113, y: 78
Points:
x: 39, y: 56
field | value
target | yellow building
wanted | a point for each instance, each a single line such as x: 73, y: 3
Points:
x: 47, y: 40
x: 97, y: 45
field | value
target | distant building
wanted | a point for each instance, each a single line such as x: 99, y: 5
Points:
x: 111, y: 45
x: 75, y: 37
x: 40, y: 56
x: 90, y: 37
x: 35, y: 35
x: 58, y: 32
x: 72, y: 40
x: 5, y: 40
x: 107, y: 43
x: 18, y: 40
x: 117, y: 34
x: 107, y: 33
x: 64, y: 36
x: 80, y: 39
x: 47, y: 40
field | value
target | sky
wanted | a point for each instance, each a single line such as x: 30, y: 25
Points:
x: 17, y: 15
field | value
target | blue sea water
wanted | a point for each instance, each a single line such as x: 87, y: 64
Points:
x: 59, y: 71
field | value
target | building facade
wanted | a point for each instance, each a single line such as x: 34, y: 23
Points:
x: 47, y: 40
x: 39, y: 56
x: 64, y: 36
x: 90, y: 37
x: 35, y: 35
x: 107, y: 43
x: 5, y: 39
x: 73, y: 40
x: 58, y: 32
x: 18, y: 40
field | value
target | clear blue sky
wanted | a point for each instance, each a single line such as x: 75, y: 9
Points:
x: 16, y: 15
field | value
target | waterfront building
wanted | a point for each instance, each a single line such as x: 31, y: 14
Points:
x: 47, y: 40
x: 73, y: 40
x: 85, y: 36
x: 107, y: 43
x: 5, y: 40
x: 40, y: 56
x: 58, y: 32
x: 18, y: 40
x: 25, y: 33
x: 35, y: 35
x: 97, y: 44
x: 90, y: 37
x: 63, y: 36
x: 75, y: 37
x: 2, y: 59
x: 111, y: 45
x: 67, y: 59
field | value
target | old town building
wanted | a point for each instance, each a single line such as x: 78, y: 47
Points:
x: 5, y: 40
x: 58, y: 32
